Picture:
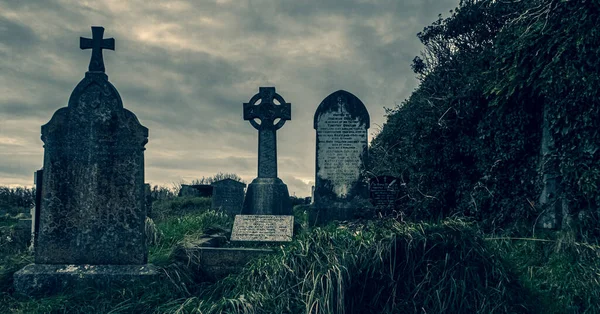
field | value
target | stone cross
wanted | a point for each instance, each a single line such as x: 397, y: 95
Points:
x: 267, y: 112
x: 97, y: 43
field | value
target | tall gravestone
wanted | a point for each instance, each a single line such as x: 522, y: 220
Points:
x: 341, y: 122
x: 267, y: 194
x: 228, y: 196
x: 92, y: 213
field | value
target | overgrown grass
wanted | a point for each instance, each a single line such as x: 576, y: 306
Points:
x: 382, y: 266
x: 377, y: 267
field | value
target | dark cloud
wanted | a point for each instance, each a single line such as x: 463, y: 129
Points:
x: 185, y: 68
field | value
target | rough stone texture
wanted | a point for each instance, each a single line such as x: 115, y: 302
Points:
x: 384, y: 191
x: 217, y: 263
x: 228, y: 196
x: 45, y: 279
x: 92, y: 209
x: 267, y: 194
x: 341, y: 122
x: 35, y: 214
x: 263, y: 228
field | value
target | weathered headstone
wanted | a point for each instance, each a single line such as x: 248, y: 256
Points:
x: 341, y: 122
x: 384, y: 192
x: 92, y: 213
x: 263, y: 228
x: 267, y: 194
x: 228, y: 196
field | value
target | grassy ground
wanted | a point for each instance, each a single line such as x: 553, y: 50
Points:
x: 381, y: 266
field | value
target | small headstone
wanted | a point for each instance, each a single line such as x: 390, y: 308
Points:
x: 267, y: 194
x: 384, y: 192
x: 196, y: 190
x: 341, y: 122
x: 263, y: 228
x: 92, y: 206
x: 228, y: 196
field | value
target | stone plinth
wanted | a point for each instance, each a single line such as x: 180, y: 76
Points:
x: 47, y: 279
x: 267, y: 196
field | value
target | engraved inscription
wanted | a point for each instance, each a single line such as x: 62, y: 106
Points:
x: 341, y: 142
x: 264, y: 228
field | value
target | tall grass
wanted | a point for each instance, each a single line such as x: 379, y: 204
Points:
x: 376, y: 267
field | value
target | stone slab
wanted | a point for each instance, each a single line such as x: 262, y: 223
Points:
x: 47, y: 279
x: 263, y: 228
x: 217, y: 263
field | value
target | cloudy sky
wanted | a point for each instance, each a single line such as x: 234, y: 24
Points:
x: 185, y: 68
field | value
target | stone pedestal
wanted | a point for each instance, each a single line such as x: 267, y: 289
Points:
x: 267, y: 196
x: 46, y: 279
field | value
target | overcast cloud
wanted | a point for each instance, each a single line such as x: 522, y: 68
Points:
x: 185, y: 68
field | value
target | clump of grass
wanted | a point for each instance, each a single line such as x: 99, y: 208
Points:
x: 172, y: 230
x: 162, y: 209
x: 373, y: 267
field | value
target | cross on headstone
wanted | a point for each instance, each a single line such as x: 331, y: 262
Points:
x: 97, y: 43
x: 267, y: 112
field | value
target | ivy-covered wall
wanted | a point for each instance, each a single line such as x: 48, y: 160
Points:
x: 469, y: 139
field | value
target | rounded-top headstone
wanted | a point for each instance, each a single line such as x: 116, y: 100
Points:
x: 341, y: 122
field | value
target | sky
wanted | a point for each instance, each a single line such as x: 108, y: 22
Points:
x: 185, y: 68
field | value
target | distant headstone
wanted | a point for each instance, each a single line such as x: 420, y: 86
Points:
x: 196, y: 190
x: 92, y: 208
x: 341, y: 122
x: 228, y: 196
x: 263, y: 228
x: 384, y: 192
x: 267, y: 194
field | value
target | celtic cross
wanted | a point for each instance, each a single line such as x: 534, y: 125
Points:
x: 267, y: 112
x: 97, y: 43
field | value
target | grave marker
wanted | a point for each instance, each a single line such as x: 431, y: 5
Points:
x: 228, y: 195
x: 341, y: 122
x: 267, y: 194
x: 92, y: 209
x: 263, y: 228
x: 384, y: 192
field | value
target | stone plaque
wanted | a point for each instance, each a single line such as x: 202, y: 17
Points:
x: 228, y: 196
x: 341, y: 122
x: 384, y: 192
x: 264, y: 228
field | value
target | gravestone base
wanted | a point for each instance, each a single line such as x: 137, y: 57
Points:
x: 340, y: 211
x: 47, y: 279
x: 217, y: 263
x: 267, y: 196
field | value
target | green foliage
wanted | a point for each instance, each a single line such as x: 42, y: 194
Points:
x: 178, y: 206
x: 16, y: 200
x: 467, y: 141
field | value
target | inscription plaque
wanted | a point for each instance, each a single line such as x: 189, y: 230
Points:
x: 263, y: 228
x: 384, y: 192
